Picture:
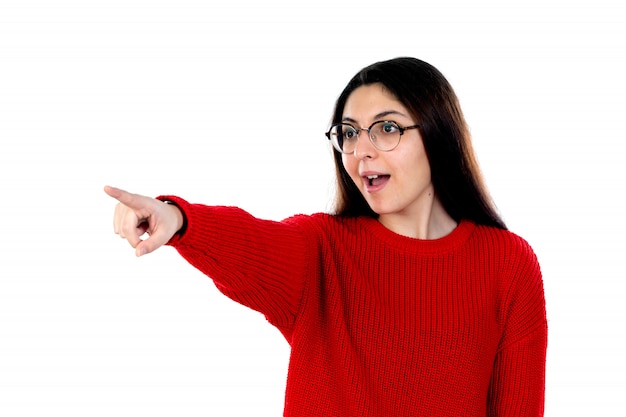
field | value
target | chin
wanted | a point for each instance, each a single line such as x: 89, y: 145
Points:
x: 380, y: 210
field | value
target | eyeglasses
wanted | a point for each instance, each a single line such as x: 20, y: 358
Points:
x: 385, y: 135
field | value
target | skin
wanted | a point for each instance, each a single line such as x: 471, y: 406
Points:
x: 136, y: 214
x: 405, y: 201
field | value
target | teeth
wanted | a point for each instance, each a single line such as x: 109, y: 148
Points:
x: 371, y: 179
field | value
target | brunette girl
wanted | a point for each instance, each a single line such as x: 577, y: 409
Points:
x: 412, y: 298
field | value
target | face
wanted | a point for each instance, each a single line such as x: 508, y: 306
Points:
x: 394, y: 183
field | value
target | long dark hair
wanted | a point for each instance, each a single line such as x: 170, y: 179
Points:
x: 432, y: 102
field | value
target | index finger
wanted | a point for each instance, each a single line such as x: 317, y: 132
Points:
x: 120, y: 195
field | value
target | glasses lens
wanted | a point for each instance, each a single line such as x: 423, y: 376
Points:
x: 385, y: 135
x: 344, y: 137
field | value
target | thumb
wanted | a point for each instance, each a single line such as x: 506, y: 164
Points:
x: 157, y: 238
x: 143, y: 248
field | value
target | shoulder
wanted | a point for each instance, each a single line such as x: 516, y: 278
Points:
x: 327, y: 229
x: 522, y: 306
x: 506, y: 245
x: 514, y: 258
x: 513, y: 261
x: 322, y: 223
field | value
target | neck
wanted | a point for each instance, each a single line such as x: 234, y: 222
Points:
x: 431, y: 223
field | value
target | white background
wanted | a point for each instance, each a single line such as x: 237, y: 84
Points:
x: 226, y: 103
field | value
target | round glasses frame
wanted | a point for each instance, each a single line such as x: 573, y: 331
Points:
x: 334, y: 138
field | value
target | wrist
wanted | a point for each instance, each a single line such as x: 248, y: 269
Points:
x: 181, y: 220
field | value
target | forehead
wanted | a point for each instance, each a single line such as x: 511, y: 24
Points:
x: 369, y: 102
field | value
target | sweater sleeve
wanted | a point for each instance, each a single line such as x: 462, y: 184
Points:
x: 518, y: 380
x: 261, y: 264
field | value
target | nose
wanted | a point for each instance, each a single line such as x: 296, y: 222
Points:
x: 364, y: 148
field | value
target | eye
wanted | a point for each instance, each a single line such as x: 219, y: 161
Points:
x: 349, y: 133
x: 388, y: 127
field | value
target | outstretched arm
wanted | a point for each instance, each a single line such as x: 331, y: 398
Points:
x: 136, y: 215
x: 262, y: 264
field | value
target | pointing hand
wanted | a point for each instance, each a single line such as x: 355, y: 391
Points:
x: 136, y: 215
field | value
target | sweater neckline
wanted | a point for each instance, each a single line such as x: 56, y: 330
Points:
x: 451, y: 241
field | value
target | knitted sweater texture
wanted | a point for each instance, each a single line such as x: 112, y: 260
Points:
x: 380, y: 324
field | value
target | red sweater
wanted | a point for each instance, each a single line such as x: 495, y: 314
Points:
x: 380, y: 324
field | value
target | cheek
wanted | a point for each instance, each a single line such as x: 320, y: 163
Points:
x: 421, y: 168
x: 351, y: 165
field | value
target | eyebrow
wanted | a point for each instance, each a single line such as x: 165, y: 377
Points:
x: 378, y: 116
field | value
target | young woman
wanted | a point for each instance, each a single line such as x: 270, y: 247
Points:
x: 412, y: 299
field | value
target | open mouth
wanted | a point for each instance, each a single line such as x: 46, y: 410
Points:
x: 374, y: 180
